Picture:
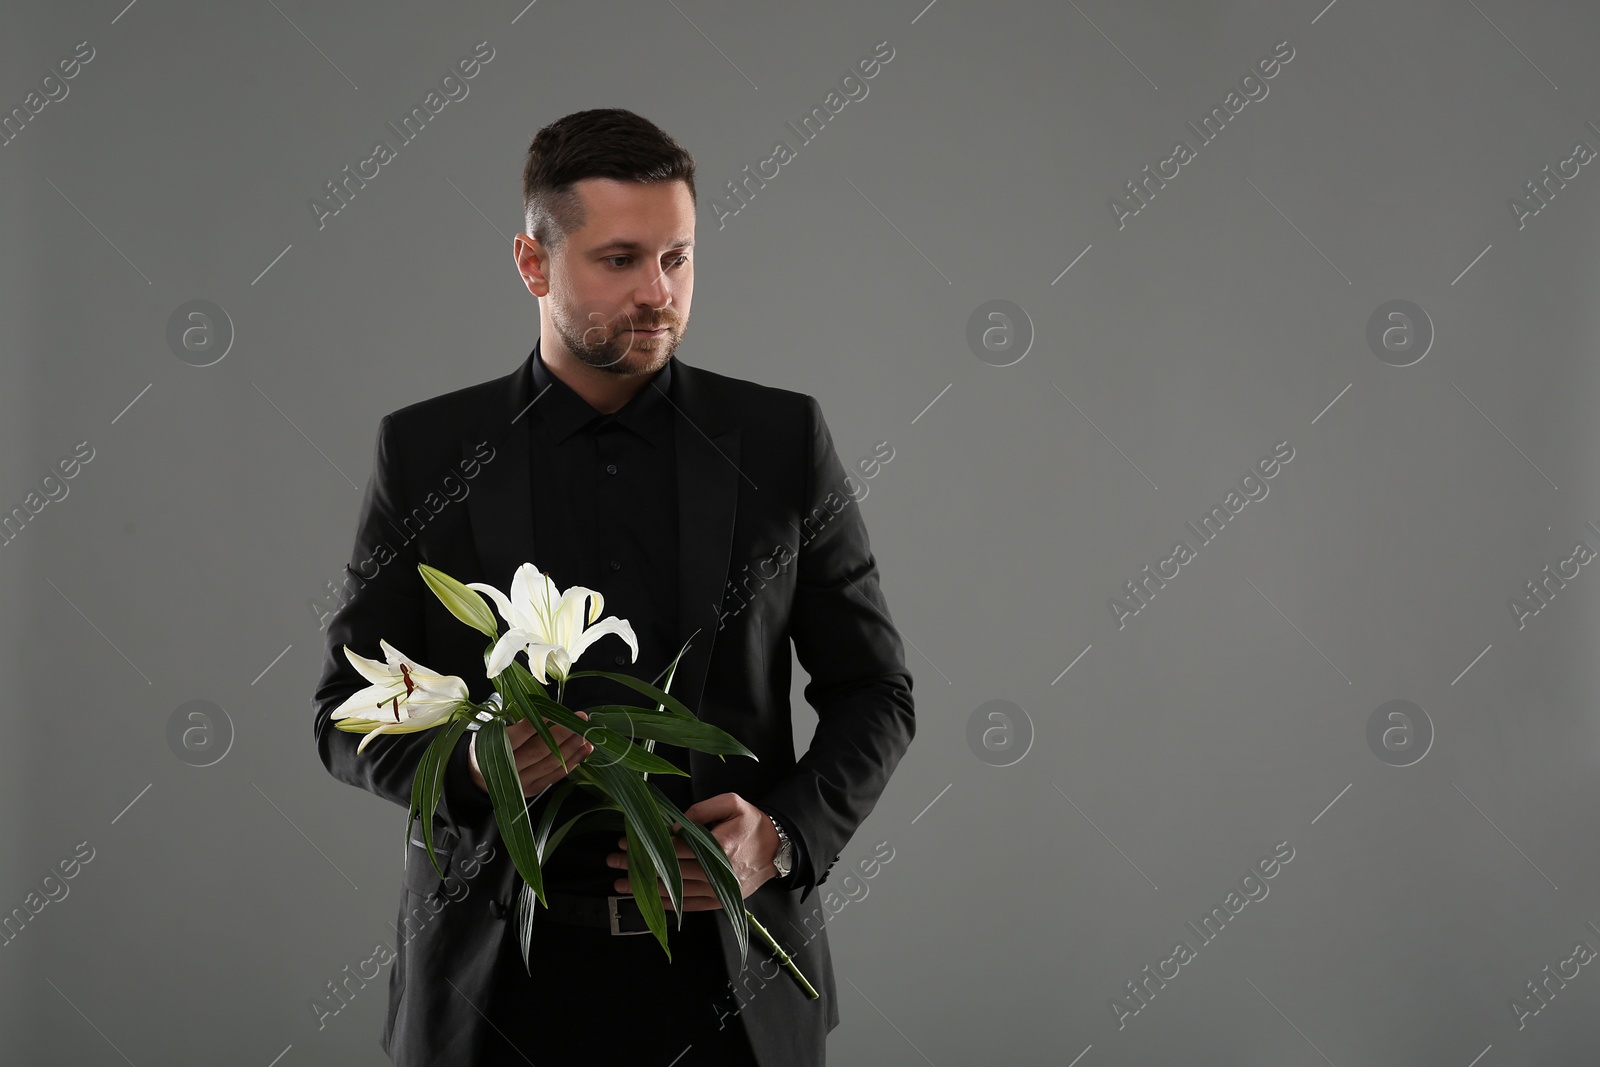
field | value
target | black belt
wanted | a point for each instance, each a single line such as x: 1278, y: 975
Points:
x: 618, y: 914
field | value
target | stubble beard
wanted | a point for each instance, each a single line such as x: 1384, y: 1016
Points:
x: 613, y: 350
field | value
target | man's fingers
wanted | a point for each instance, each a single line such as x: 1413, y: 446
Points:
x: 537, y: 766
x: 526, y: 742
x: 692, y: 901
x: 680, y: 846
x: 688, y: 866
x: 538, y: 753
x: 695, y: 897
x: 522, y: 730
x: 546, y: 770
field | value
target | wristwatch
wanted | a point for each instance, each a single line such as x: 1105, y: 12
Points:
x: 783, y: 862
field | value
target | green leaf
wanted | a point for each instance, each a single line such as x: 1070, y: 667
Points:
x: 465, y: 604
x: 532, y: 684
x: 529, y: 689
x: 498, y: 764
x: 670, y: 703
x: 419, y: 783
x: 608, y: 816
x: 436, y: 759
x: 553, y: 801
x: 646, y: 820
x: 593, y: 819
x: 642, y: 881
x: 665, y: 726
x: 672, y: 668
x: 627, y: 754
x: 519, y: 703
x: 717, y: 866
x: 526, y: 902
x: 622, y: 751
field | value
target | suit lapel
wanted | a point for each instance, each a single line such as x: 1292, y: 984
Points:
x: 500, y: 508
x: 708, y: 494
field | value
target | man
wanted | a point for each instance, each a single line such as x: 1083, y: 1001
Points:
x: 696, y: 504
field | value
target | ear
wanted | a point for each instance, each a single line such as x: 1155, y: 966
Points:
x: 533, y: 263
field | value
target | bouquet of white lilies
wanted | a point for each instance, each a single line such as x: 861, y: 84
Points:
x: 554, y: 628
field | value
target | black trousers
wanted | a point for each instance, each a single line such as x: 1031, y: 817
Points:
x: 597, y: 999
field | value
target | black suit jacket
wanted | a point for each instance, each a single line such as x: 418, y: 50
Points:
x: 772, y: 548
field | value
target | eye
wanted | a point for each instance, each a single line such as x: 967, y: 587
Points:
x: 608, y: 259
x: 680, y: 261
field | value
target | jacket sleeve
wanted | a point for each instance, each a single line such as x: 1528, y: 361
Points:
x: 860, y: 687
x: 384, y: 599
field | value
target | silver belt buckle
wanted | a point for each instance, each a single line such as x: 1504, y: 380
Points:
x: 611, y: 907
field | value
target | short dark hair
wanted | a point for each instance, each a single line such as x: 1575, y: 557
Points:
x: 601, y: 143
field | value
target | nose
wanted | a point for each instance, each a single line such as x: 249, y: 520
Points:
x: 655, y: 292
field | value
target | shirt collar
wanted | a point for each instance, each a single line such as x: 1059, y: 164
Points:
x: 564, y: 412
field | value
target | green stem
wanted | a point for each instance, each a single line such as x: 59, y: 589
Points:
x: 782, y: 955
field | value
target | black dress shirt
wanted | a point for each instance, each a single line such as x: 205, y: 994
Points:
x: 605, y: 516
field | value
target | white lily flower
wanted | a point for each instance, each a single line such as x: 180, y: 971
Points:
x: 403, y: 696
x: 553, y: 627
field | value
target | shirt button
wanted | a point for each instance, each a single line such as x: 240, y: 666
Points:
x: 621, y: 659
x: 611, y: 468
x: 615, y: 565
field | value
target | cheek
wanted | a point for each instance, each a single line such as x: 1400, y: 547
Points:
x: 586, y: 282
x: 558, y: 288
x: 591, y: 299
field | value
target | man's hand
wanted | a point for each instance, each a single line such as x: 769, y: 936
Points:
x: 745, y: 834
x: 536, y: 764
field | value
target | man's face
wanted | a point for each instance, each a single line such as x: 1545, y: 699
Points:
x: 619, y: 288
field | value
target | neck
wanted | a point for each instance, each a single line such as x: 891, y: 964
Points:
x: 603, y: 391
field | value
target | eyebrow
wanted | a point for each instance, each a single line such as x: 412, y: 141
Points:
x: 635, y: 246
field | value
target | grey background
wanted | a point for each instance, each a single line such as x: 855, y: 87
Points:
x: 1226, y: 717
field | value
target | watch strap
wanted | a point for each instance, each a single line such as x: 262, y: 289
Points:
x: 783, y: 860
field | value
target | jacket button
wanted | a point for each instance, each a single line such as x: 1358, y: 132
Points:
x: 497, y: 909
